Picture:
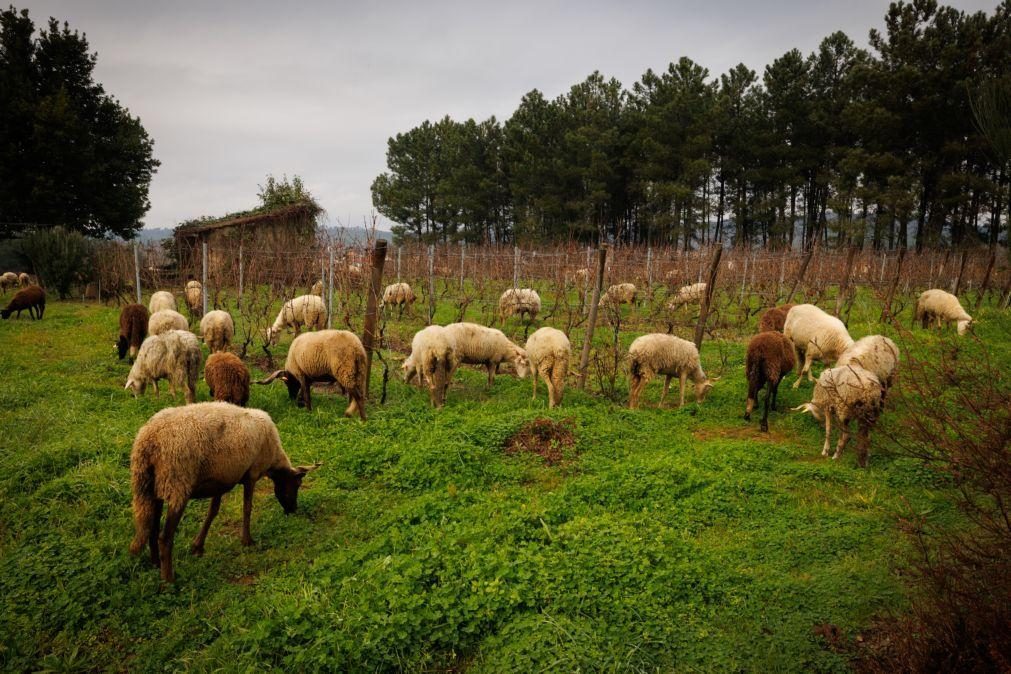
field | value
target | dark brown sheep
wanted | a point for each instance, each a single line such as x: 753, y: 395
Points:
x: 774, y: 319
x: 132, y: 330
x: 228, y: 378
x: 769, y: 359
x: 32, y: 298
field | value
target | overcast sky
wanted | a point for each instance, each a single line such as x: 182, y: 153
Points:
x: 231, y: 91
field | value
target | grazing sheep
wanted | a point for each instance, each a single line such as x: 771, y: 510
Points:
x: 877, y: 354
x: 332, y: 356
x: 816, y: 335
x: 769, y: 359
x: 478, y: 345
x: 668, y: 355
x: 162, y: 299
x: 307, y: 310
x: 203, y: 451
x: 166, y: 319
x: 519, y: 301
x: 24, y: 280
x: 941, y: 307
x: 227, y: 378
x: 548, y: 350
x: 32, y: 298
x: 582, y: 275
x: 691, y: 294
x: 217, y: 329
x: 846, y: 393
x: 317, y: 289
x: 132, y: 329
x: 8, y: 280
x: 194, y: 294
x: 399, y: 295
x: 774, y: 318
x: 172, y: 355
x: 621, y: 293
x: 433, y: 359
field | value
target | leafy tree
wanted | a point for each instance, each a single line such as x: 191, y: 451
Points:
x: 70, y: 154
x: 60, y: 257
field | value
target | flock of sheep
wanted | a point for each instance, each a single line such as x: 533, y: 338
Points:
x: 203, y: 450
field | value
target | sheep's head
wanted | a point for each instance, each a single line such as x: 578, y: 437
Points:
x: 964, y: 326
x: 702, y: 389
x: 407, y: 370
x: 136, y: 386
x: 290, y: 380
x: 521, y: 363
x: 286, y: 483
x: 813, y: 408
x: 270, y: 335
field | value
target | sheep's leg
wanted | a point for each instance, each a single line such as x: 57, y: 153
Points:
x: 808, y: 359
x: 306, y: 393
x: 492, y: 367
x: 155, y: 384
x: 152, y: 537
x: 863, y: 443
x: 828, y: 432
x: 165, y: 541
x: 533, y: 379
x: 765, y: 414
x: 666, y: 388
x: 247, y: 509
x: 639, y: 382
x: 198, y: 543
x: 844, y: 437
x: 684, y: 381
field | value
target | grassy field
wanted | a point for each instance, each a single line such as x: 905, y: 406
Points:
x: 665, y: 539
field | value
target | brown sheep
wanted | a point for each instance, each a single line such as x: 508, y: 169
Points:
x: 774, y: 318
x: 132, y: 329
x: 227, y: 378
x: 769, y: 359
x: 32, y: 298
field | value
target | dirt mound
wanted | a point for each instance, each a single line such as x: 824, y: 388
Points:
x: 545, y: 437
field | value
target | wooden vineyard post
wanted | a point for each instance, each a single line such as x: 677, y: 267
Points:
x: 707, y: 298
x: 886, y: 310
x: 844, y: 286
x: 584, y: 359
x: 371, y: 311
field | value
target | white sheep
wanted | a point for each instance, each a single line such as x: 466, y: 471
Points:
x: 817, y: 336
x: 164, y: 320
x: 621, y: 293
x: 399, y: 295
x: 203, y: 451
x: 548, y: 350
x: 8, y: 280
x: 478, y: 345
x: 330, y: 356
x: 217, y: 329
x: 24, y: 280
x: 162, y: 299
x: 941, y: 307
x: 875, y: 353
x: 304, y: 310
x: 668, y: 355
x: 846, y: 393
x: 194, y: 295
x: 690, y: 294
x: 317, y: 289
x: 172, y: 355
x: 519, y: 301
x: 433, y: 360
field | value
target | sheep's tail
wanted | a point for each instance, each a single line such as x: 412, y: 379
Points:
x: 142, y: 480
x: 754, y: 371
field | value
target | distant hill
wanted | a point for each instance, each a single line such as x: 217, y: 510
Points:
x: 352, y: 235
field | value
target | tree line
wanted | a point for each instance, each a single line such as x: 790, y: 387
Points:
x: 873, y: 146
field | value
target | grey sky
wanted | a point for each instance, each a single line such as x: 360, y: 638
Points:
x: 231, y: 91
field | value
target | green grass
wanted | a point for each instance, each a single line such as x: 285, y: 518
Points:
x: 669, y: 539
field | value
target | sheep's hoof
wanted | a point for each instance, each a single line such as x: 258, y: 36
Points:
x: 247, y: 542
x: 197, y: 551
x: 747, y: 417
x: 765, y: 428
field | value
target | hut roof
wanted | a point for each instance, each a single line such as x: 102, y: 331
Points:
x: 298, y: 213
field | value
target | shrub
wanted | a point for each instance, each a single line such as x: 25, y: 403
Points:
x: 59, y: 257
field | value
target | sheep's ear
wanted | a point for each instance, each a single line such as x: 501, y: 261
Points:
x: 129, y: 384
x: 805, y: 407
